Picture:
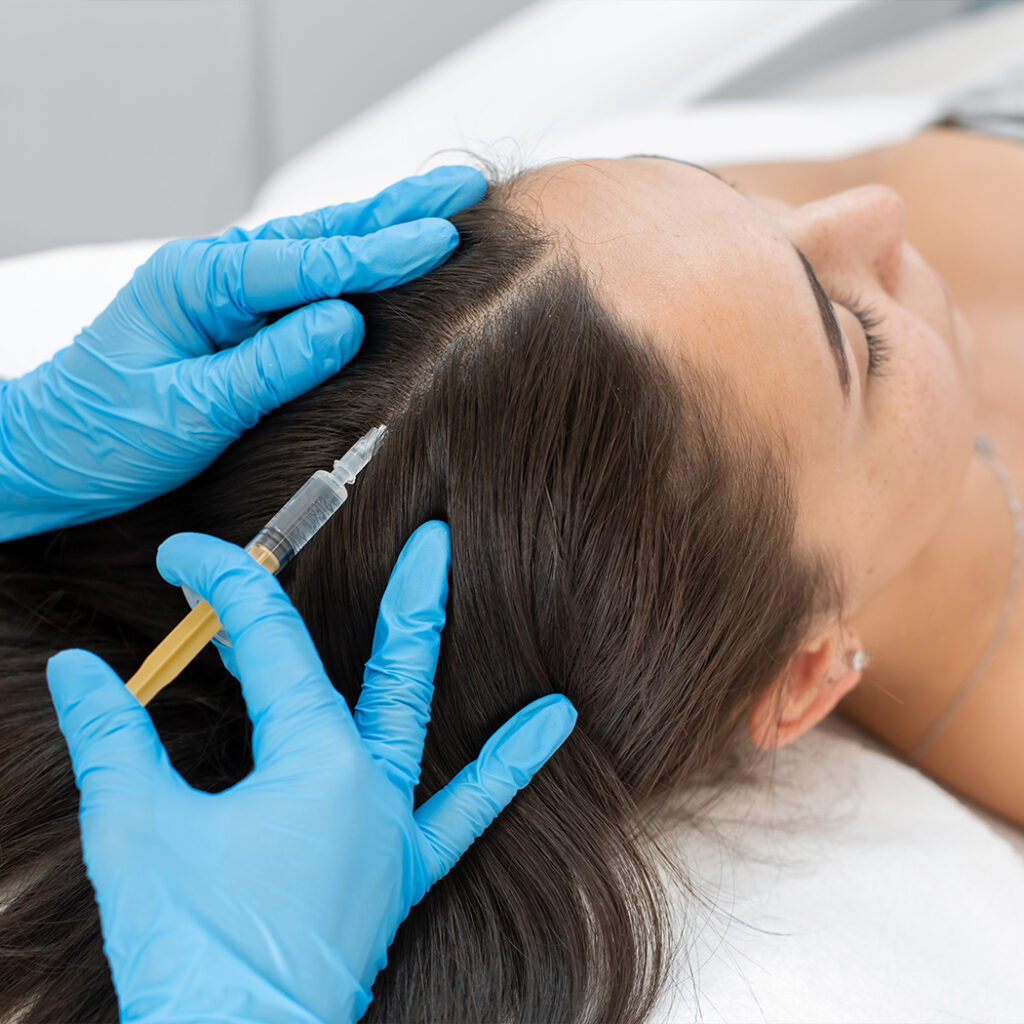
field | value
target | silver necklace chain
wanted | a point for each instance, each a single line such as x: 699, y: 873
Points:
x: 984, y: 447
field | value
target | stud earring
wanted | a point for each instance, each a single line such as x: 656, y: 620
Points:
x: 860, y: 660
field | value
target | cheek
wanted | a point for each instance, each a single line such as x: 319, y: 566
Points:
x: 924, y: 427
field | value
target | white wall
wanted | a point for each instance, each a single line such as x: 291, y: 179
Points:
x: 152, y: 118
x: 145, y: 118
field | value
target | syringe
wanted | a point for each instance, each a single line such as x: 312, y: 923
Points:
x: 273, y: 547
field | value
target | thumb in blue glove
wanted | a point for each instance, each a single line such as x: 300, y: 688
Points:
x: 277, y: 898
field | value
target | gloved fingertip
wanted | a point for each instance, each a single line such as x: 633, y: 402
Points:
x: 284, y: 360
x: 428, y: 243
x: 71, y: 659
x: 525, y: 742
x: 417, y: 591
x: 456, y: 185
x: 554, y: 717
x: 469, y: 191
x: 72, y: 671
x: 432, y: 540
x: 453, y: 817
x: 336, y: 332
x: 170, y: 553
x: 428, y: 236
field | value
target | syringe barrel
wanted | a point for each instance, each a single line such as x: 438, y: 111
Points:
x: 309, y: 508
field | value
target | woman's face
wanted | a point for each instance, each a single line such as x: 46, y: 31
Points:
x: 714, y: 274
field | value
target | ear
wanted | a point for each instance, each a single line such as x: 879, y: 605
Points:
x: 817, y: 679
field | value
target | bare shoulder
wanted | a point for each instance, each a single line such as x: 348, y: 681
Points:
x: 802, y: 181
x: 935, y: 153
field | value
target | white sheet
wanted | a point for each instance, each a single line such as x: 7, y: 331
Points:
x: 908, y: 906
x: 871, y: 895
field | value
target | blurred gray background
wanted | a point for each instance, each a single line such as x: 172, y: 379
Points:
x: 150, y: 118
x: 146, y: 118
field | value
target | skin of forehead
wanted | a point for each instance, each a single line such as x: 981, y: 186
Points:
x: 703, y: 271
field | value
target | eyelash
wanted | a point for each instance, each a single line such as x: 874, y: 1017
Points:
x: 879, y: 349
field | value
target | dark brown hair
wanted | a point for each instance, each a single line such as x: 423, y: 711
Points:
x: 619, y: 534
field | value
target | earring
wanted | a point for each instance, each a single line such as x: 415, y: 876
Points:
x: 860, y: 660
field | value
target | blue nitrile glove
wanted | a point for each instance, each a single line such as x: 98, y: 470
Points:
x: 276, y: 899
x: 181, y: 362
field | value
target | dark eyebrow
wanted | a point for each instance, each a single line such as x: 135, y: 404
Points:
x: 833, y: 333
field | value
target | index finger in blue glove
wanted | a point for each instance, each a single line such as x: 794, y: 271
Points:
x: 438, y: 193
x: 453, y: 817
x: 398, y: 682
x: 275, y: 365
x: 267, y: 275
x: 290, y: 699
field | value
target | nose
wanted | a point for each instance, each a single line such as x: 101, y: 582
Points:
x: 861, y: 228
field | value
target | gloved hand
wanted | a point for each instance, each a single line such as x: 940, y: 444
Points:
x: 180, y: 363
x: 276, y: 900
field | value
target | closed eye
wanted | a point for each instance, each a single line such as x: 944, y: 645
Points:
x: 879, y: 348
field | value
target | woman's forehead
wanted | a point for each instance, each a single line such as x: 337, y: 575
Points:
x: 705, y: 273
x: 657, y: 234
x: 637, y: 192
